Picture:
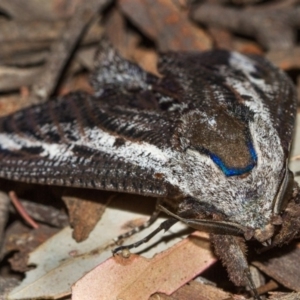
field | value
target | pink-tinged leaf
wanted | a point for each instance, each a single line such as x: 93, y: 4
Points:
x: 121, y: 278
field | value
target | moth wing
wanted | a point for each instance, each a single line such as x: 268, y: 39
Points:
x: 81, y: 141
x: 210, y: 70
x: 281, y: 101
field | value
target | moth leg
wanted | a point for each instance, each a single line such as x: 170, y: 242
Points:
x: 137, y: 229
x: 166, y: 225
x: 231, y: 250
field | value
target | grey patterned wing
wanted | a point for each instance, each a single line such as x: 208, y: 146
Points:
x: 83, y: 141
x: 220, y: 77
x: 281, y: 101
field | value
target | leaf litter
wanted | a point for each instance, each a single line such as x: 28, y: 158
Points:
x: 61, y: 261
x: 141, y: 29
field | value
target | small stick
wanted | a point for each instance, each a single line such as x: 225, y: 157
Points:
x: 20, y: 208
x: 271, y: 285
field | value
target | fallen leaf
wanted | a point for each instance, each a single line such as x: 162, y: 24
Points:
x: 282, y: 265
x: 169, y: 26
x: 120, y: 278
x: 21, y: 240
x: 86, y: 212
x: 196, y: 290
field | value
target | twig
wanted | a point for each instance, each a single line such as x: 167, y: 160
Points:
x: 271, y: 285
x: 20, y: 208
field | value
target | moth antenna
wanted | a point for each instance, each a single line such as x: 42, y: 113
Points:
x: 166, y: 225
x: 220, y: 227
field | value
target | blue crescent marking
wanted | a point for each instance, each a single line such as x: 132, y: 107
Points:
x: 236, y: 171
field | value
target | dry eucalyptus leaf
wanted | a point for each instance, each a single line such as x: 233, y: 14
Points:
x: 169, y: 26
x: 196, y: 290
x: 85, y: 213
x: 282, y: 266
x: 121, y: 278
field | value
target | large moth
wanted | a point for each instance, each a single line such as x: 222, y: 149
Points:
x: 212, y: 135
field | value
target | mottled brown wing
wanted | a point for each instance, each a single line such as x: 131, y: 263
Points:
x: 205, y: 77
x: 80, y: 141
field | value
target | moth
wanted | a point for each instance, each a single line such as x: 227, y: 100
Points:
x: 211, y: 135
